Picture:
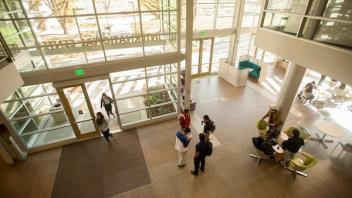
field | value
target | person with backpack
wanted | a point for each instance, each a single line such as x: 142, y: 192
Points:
x: 185, y: 119
x: 181, y: 146
x: 203, y: 148
x: 209, y: 126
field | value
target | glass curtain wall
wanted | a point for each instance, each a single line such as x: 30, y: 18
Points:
x: 251, y: 13
x: 220, y: 51
x: 60, y: 33
x: 326, y: 21
x: 250, y: 19
x: 218, y: 14
x: 146, y: 93
x: 36, y: 114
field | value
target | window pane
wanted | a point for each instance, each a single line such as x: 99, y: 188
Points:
x: 156, y: 70
x: 339, y: 9
x: 116, y: 6
x: 28, y: 127
x: 292, y: 6
x: 10, y: 107
x: 335, y: 33
x: 283, y: 23
x: 57, y: 8
x: 54, y: 31
x: 125, y: 52
x: 221, y: 50
x: 158, y: 83
x: 130, y: 88
x: 127, y: 75
x: 162, y: 110
x: 133, y: 117
x: 61, y: 58
x: 78, y: 103
x: 21, y: 112
x: 86, y: 127
x: 117, y: 25
x: 130, y: 104
x: 49, y: 137
x: 204, y: 12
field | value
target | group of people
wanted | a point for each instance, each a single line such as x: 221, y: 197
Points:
x: 290, y: 146
x: 183, y: 139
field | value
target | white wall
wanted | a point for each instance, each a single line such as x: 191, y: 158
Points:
x: 326, y: 59
x: 10, y: 81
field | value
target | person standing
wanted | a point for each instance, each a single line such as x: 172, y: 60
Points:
x: 103, y: 126
x: 200, y: 154
x: 106, y: 101
x: 273, y: 116
x: 181, y: 146
x: 209, y: 126
x: 185, y: 119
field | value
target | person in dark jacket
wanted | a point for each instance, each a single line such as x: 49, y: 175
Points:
x: 208, y: 126
x: 201, y: 153
x: 181, y: 146
x: 292, y: 146
x: 106, y: 101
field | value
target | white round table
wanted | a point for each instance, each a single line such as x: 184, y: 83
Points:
x: 327, y: 128
x: 277, y: 148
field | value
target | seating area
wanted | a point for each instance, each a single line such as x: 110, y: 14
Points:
x: 254, y: 68
x: 272, y: 149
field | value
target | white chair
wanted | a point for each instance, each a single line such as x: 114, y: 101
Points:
x: 347, y: 147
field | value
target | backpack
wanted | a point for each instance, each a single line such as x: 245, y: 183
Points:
x: 213, y: 127
x: 209, y: 148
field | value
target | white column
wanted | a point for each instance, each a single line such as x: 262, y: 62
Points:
x: 237, y: 22
x: 289, y: 87
x: 189, y: 38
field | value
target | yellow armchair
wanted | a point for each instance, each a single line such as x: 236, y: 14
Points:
x: 262, y: 126
x: 302, y: 163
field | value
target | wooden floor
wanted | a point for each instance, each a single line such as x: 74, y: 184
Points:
x: 230, y: 172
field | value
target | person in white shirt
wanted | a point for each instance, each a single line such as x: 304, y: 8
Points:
x: 103, y: 126
x: 181, y: 146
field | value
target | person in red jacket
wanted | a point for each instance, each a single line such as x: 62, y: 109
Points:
x: 185, y: 119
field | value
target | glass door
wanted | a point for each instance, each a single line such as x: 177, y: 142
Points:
x: 95, y: 89
x: 202, y: 50
x: 79, y: 111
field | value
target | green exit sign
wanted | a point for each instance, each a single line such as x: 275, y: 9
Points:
x: 79, y: 72
x: 202, y: 34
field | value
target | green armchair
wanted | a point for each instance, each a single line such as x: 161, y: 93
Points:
x: 262, y: 126
x: 300, y: 164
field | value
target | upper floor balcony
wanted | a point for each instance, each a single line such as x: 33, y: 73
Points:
x: 316, y: 34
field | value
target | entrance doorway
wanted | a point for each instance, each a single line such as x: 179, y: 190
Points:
x: 202, y: 51
x: 81, y: 100
x: 79, y: 111
x: 95, y: 89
